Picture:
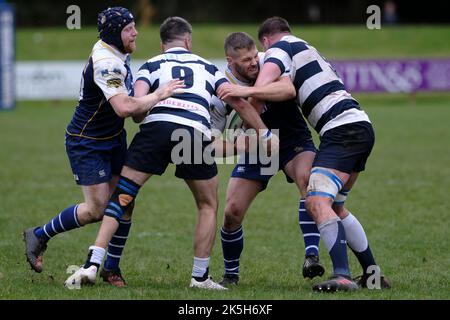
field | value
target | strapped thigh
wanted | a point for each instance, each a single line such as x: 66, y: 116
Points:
x: 324, y: 183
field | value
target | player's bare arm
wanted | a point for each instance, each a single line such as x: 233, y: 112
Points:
x: 126, y: 106
x: 268, y: 74
x: 280, y: 90
x: 247, y: 113
x: 141, y: 88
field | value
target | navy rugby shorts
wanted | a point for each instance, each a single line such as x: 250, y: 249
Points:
x: 346, y: 148
x: 151, y: 152
x: 95, y: 161
x: 289, y: 148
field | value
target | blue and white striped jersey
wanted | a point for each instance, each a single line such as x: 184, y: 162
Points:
x: 320, y: 92
x: 201, y: 79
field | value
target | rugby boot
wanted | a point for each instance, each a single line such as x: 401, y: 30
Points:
x: 229, y: 280
x: 312, y: 267
x: 361, y: 281
x: 336, y: 283
x: 83, y: 276
x: 34, y: 249
x: 208, y: 284
x: 113, y: 277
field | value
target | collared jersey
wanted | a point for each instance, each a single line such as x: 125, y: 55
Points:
x: 106, y: 74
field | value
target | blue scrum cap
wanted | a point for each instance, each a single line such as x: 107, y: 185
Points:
x: 110, y: 24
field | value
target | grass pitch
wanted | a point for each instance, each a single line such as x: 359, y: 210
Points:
x: 401, y: 199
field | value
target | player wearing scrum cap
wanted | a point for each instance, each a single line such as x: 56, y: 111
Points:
x: 96, y: 139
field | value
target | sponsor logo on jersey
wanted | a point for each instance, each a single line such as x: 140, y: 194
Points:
x: 116, y: 83
x: 105, y: 73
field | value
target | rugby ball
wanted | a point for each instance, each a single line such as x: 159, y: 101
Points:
x: 234, y: 126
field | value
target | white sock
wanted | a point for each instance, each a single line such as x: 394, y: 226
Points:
x: 200, y: 267
x: 98, y: 253
x: 356, y: 237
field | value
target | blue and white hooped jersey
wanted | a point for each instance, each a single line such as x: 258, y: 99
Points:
x: 201, y: 79
x: 320, y: 92
x: 106, y: 74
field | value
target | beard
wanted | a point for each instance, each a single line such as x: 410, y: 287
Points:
x: 250, y: 78
x: 130, y: 47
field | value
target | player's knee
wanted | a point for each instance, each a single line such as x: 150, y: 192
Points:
x: 340, y: 211
x: 233, y: 209
x: 207, y: 204
x: 313, y: 205
x: 122, y: 201
x: 95, y: 210
x: 129, y: 211
x: 233, y: 213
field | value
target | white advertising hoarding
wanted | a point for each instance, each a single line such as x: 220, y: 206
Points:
x: 58, y: 80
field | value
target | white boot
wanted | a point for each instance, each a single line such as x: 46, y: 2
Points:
x: 208, y: 284
x: 80, y: 277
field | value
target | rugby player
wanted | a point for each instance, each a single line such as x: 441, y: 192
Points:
x: 96, y: 138
x: 346, y: 140
x: 296, y: 155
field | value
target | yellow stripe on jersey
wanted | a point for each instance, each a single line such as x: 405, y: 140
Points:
x: 230, y: 77
x: 93, y: 138
x: 81, y: 135
x: 96, y: 111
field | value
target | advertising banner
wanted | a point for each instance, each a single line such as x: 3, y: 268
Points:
x: 7, y: 55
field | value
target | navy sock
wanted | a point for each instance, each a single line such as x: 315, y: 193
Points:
x: 365, y: 258
x: 333, y: 235
x: 311, y: 234
x: 65, y: 221
x: 116, y: 245
x: 232, y: 246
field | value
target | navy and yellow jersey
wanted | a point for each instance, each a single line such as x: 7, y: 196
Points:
x: 201, y: 79
x: 321, y: 94
x: 106, y: 74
